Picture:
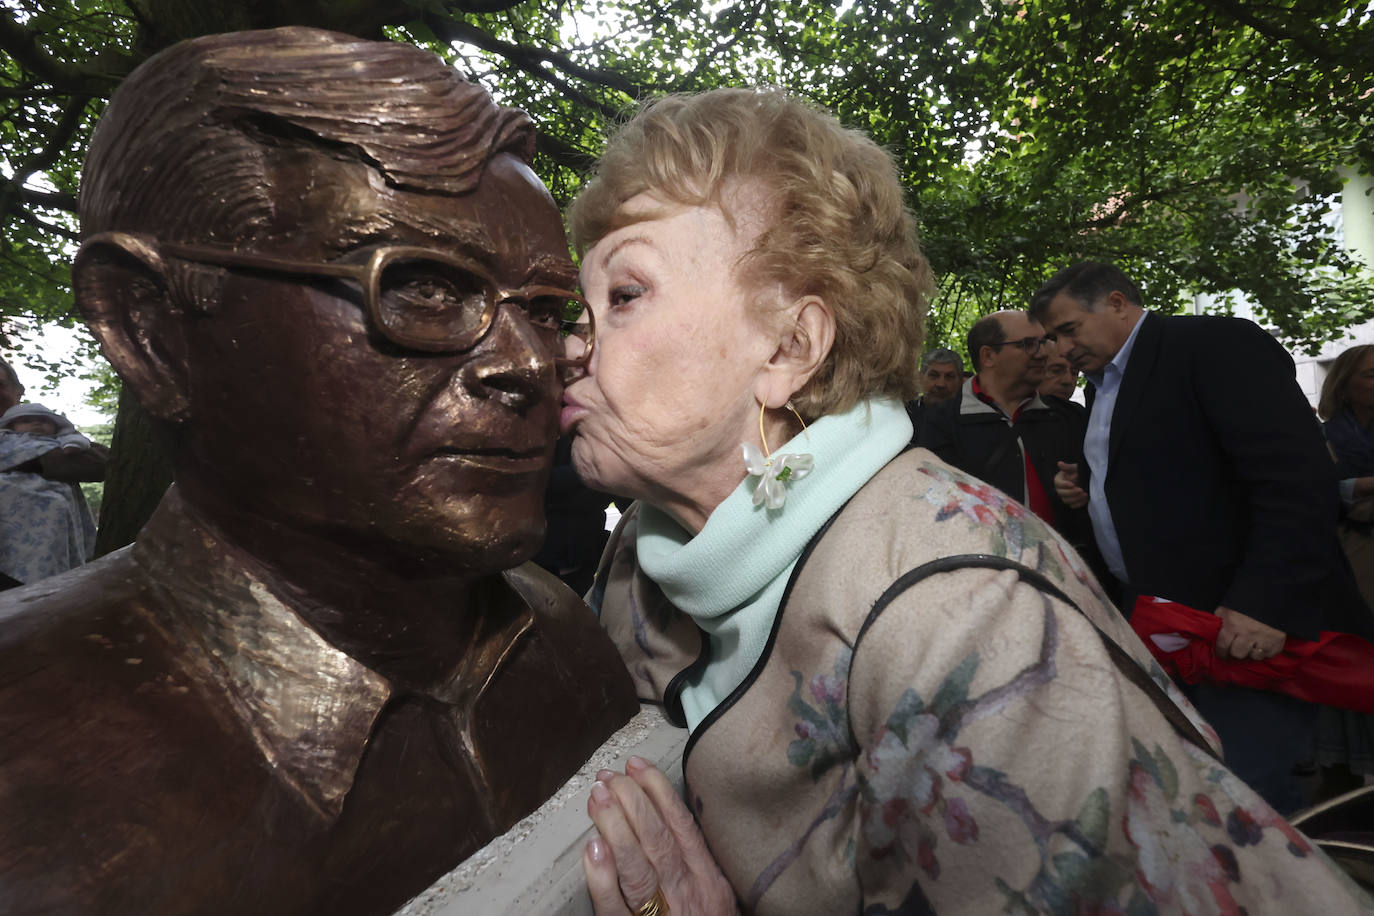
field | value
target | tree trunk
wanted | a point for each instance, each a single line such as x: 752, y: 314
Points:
x: 139, y: 472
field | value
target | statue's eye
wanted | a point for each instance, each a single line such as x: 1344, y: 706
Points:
x: 549, y: 311
x: 427, y: 297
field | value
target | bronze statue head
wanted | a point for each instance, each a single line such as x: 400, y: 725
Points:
x: 318, y: 679
x: 272, y: 224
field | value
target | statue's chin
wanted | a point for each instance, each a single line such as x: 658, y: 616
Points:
x: 475, y: 543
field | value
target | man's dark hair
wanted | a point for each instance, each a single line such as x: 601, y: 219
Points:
x: 986, y: 331
x: 942, y: 355
x: 1086, y: 281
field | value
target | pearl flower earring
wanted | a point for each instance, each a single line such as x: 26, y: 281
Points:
x: 775, y: 472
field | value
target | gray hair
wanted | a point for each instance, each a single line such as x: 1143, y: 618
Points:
x: 942, y: 355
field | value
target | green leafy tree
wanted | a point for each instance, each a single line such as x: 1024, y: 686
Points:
x: 1194, y: 142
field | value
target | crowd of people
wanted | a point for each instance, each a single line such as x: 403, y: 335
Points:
x: 1197, y: 474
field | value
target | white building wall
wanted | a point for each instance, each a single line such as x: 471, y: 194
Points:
x: 1355, y: 220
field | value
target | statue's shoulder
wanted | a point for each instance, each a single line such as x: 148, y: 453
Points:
x: 81, y: 609
x: 89, y: 661
x: 569, y: 651
x: 117, y: 757
x: 547, y: 596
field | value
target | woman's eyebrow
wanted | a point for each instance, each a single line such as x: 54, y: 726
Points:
x: 620, y: 245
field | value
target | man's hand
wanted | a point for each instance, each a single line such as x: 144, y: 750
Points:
x: 1066, y: 485
x: 1243, y: 637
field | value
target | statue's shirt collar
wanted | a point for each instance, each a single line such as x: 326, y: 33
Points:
x: 309, y: 706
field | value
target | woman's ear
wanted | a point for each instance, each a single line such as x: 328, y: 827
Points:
x: 804, y: 344
x: 122, y: 289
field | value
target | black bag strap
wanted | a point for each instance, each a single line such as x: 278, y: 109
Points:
x: 1128, y: 666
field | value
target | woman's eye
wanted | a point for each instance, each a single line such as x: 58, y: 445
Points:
x: 623, y: 295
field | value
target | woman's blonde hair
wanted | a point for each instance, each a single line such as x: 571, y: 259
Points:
x: 1342, y: 371
x: 836, y: 225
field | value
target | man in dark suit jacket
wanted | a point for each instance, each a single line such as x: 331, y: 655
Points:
x: 1208, y: 484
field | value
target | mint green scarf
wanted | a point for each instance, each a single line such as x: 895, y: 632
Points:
x: 730, y: 577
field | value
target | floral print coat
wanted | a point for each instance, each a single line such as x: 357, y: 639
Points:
x: 963, y: 744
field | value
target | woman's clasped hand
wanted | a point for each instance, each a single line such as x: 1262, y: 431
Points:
x: 649, y: 856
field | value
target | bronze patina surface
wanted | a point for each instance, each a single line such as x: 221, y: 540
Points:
x: 320, y: 678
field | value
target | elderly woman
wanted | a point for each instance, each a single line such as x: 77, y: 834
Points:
x: 905, y: 693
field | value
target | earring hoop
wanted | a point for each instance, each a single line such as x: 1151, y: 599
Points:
x: 764, y: 436
x: 775, y: 472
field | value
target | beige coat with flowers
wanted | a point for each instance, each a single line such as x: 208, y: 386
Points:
x: 963, y: 744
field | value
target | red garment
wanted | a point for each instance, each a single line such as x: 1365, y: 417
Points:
x: 1037, y: 498
x: 1335, y: 670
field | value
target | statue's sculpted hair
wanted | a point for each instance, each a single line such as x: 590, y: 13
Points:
x: 179, y: 149
x: 834, y: 221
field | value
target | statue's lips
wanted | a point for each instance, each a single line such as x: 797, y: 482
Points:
x: 504, y: 460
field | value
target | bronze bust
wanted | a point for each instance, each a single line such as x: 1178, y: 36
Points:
x: 314, y: 683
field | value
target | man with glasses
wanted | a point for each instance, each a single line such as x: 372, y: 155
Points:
x: 1208, y: 484
x: 314, y: 683
x: 1000, y: 430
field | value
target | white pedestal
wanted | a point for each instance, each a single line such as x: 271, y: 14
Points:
x: 535, y: 869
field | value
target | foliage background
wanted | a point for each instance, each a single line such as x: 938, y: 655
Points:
x: 1194, y: 142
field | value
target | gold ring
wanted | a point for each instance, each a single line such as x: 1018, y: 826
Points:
x: 654, y: 906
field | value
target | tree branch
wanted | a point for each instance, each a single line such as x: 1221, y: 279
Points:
x: 1320, y: 50
x: 486, y: 6
x: 22, y: 45
x: 57, y: 142
x: 564, y: 153
x: 528, y: 58
x: 56, y: 200
x: 14, y: 197
x: 43, y: 226
x: 1129, y: 202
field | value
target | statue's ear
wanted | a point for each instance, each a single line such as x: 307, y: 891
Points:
x: 123, y: 290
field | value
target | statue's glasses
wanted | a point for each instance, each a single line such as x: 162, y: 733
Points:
x: 431, y: 300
